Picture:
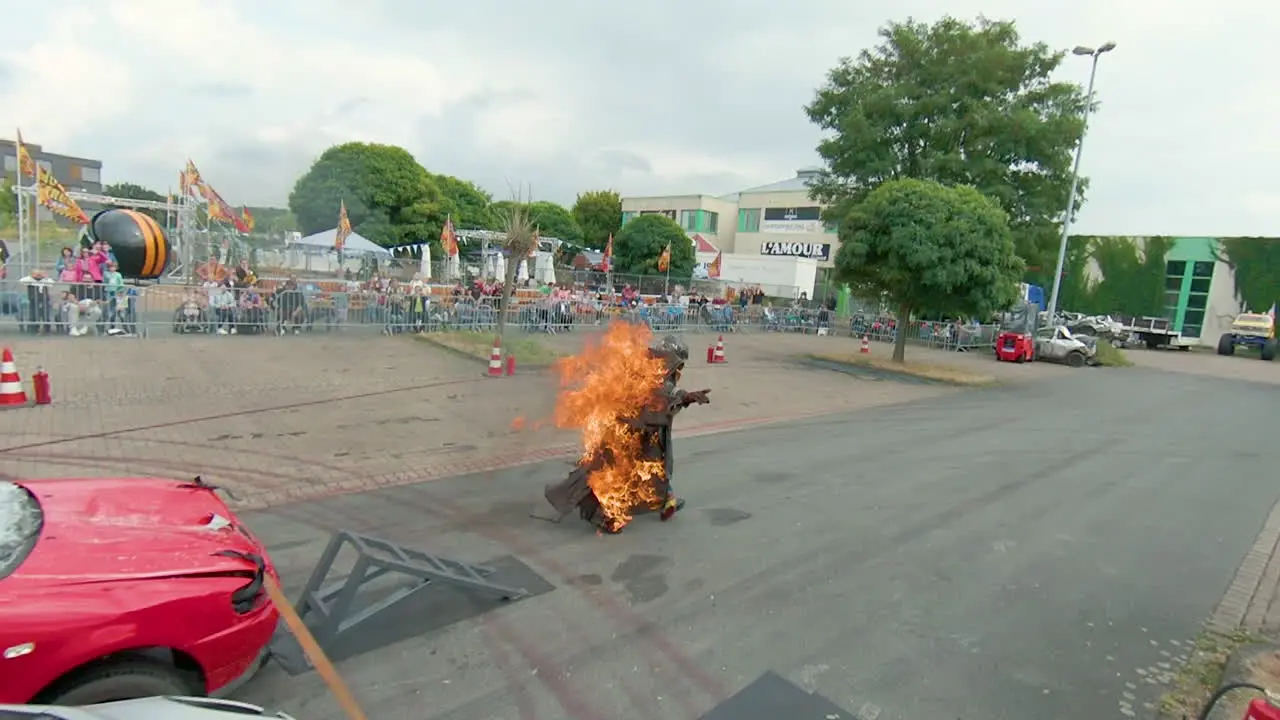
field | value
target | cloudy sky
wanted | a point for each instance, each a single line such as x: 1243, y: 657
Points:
x: 654, y: 97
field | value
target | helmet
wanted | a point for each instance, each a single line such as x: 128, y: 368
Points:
x: 674, y: 346
x: 673, y: 350
x: 137, y: 241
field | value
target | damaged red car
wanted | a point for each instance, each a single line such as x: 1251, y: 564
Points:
x: 113, y: 589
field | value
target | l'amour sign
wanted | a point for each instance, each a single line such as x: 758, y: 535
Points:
x: 818, y: 251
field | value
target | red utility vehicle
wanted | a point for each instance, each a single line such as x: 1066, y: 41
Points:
x: 1015, y: 347
x: 112, y: 589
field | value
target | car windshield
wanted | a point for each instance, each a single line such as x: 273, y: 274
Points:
x: 20, y: 522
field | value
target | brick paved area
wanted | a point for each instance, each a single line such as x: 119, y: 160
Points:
x: 277, y: 419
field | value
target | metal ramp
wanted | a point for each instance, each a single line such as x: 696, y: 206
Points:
x: 331, y: 610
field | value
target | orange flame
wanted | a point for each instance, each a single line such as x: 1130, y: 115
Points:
x: 602, y: 388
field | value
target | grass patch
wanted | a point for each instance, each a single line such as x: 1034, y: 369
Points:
x: 528, y: 351
x: 1202, y: 674
x: 1111, y: 356
x: 925, y: 371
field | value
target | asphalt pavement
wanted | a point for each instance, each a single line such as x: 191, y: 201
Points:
x: 1043, y: 550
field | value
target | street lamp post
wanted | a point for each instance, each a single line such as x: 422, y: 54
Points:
x: 1095, y: 53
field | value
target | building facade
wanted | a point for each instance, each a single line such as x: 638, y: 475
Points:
x: 1200, y: 284
x: 75, y: 173
x: 775, y: 219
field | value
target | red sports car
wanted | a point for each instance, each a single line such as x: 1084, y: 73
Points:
x: 112, y: 589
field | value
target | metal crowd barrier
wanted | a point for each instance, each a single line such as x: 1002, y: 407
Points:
x: 54, y: 308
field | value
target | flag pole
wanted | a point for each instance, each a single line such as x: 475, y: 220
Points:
x: 22, y: 214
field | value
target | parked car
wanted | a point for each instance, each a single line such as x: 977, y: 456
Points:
x: 113, y: 589
x: 152, y: 708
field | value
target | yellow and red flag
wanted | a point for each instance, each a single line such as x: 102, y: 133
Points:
x: 218, y: 208
x: 449, y: 238
x: 51, y: 194
x: 189, y: 179
x: 344, y: 227
x: 608, y: 254
x: 246, y: 218
x: 26, y: 165
x: 664, y: 260
x: 713, y: 270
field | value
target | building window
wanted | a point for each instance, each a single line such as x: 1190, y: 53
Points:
x: 1186, y: 296
x: 689, y: 220
x: 711, y: 221
x: 91, y: 175
x: 669, y: 214
x: 11, y: 163
x: 73, y: 172
x: 749, y: 220
x: 627, y: 215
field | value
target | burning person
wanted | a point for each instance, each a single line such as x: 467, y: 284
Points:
x: 622, y: 394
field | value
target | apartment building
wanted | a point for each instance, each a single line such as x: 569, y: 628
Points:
x: 775, y: 219
x: 75, y: 173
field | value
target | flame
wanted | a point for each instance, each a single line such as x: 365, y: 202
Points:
x: 601, y: 388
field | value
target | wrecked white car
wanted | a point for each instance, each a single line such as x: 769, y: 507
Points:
x: 1058, y: 344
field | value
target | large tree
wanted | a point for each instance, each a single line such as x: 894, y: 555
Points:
x: 549, y: 219
x: 929, y: 248
x: 599, y: 214
x: 390, y: 198
x: 959, y: 103
x: 470, y: 207
x: 639, y: 244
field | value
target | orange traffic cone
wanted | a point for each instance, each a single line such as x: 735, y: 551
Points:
x: 719, y: 357
x: 11, y: 392
x: 866, y: 345
x: 495, y: 360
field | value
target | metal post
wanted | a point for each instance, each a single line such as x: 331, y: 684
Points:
x: 1075, y: 177
x: 21, y: 199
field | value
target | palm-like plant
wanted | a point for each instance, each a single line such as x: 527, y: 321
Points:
x: 520, y: 241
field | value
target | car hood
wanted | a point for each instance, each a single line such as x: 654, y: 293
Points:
x: 1260, y: 328
x: 98, y: 530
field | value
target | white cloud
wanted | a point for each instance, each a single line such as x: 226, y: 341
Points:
x: 665, y: 97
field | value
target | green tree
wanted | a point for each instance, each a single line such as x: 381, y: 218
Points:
x: 273, y: 222
x: 1132, y: 276
x: 8, y: 204
x: 599, y: 214
x: 390, y: 198
x: 963, y: 104
x: 131, y: 191
x: 639, y: 244
x: 929, y: 248
x: 1255, y: 262
x: 470, y: 207
x: 550, y: 220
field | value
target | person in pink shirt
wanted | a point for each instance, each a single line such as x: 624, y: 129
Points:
x: 89, y: 271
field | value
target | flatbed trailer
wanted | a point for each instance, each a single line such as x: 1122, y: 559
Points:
x: 1156, y: 333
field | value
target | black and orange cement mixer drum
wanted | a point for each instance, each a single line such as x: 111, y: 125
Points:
x: 138, y: 242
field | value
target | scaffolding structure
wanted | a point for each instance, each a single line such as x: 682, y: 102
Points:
x: 191, y: 233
